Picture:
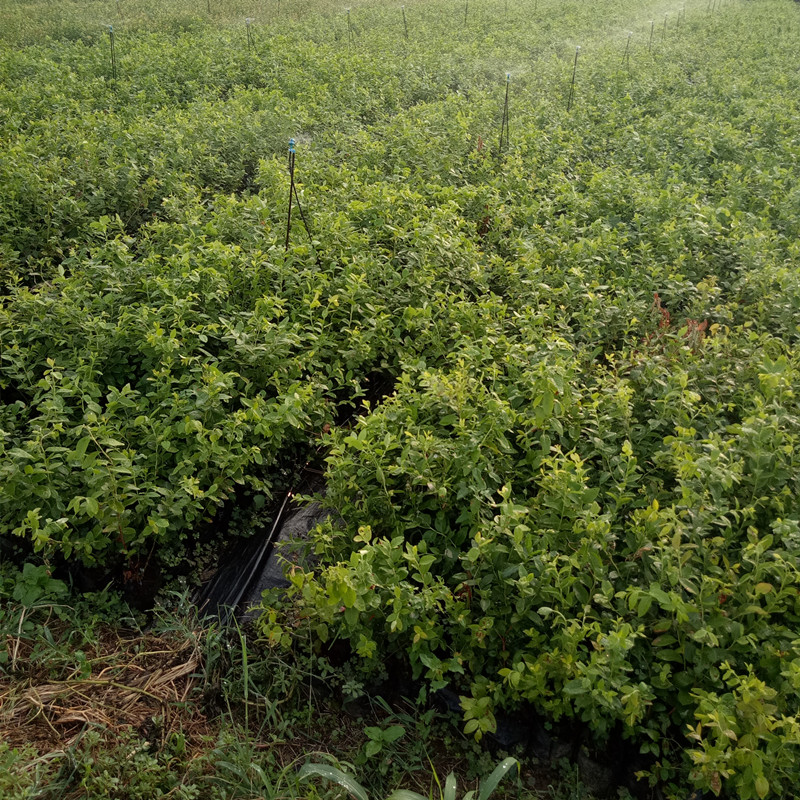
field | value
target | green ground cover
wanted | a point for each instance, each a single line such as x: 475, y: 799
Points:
x: 580, y: 495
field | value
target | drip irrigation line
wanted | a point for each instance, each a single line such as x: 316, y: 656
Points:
x: 303, y: 217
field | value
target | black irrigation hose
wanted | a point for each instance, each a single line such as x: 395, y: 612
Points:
x: 303, y: 216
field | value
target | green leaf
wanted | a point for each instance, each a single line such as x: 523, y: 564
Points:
x: 664, y: 641
x: 80, y: 449
x: 471, y: 726
x: 762, y: 786
x: 393, y: 733
x: 334, y: 776
x: 322, y: 632
x: 500, y: 771
x: 575, y: 686
x: 351, y: 616
x: 659, y: 594
x: 450, y: 787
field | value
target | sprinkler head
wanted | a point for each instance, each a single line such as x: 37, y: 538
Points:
x: 508, y: 77
x: 578, y: 49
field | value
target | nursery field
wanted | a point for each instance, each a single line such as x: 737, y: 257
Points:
x: 535, y: 317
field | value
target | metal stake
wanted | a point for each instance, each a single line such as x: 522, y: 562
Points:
x: 572, y: 85
x: 113, y: 52
x: 291, y: 192
x: 504, y: 123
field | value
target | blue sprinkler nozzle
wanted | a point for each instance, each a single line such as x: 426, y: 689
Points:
x: 291, y: 145
x: 508, y: 77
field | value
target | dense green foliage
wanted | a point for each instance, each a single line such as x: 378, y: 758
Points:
x: 582, y: 493
x: 89, y: 711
